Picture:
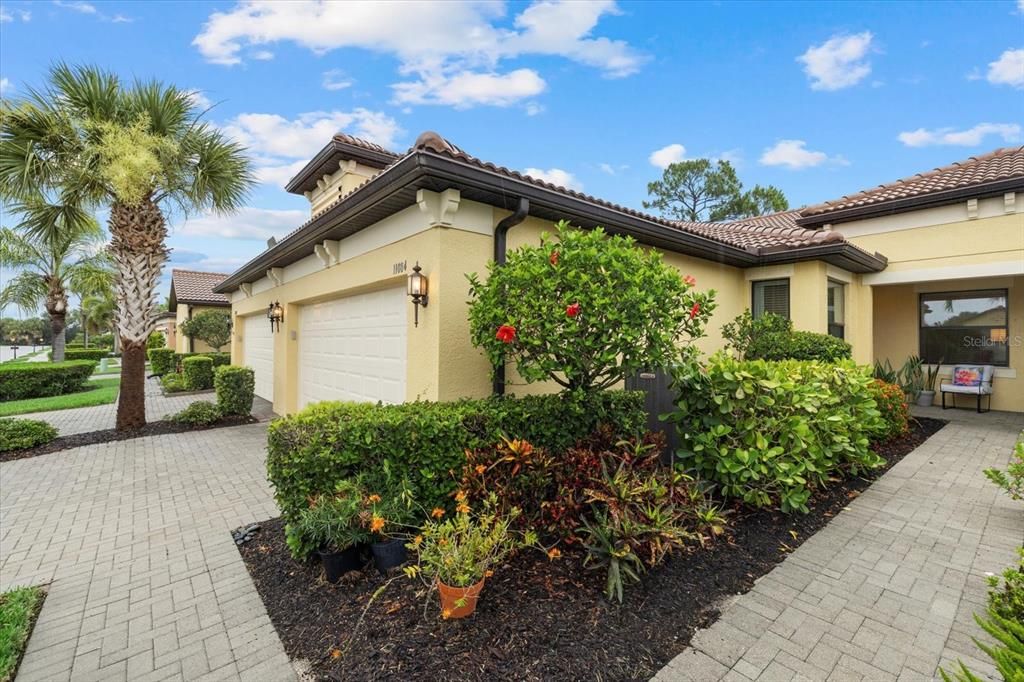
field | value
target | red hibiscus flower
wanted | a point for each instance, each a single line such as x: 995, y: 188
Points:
x: 694, y: 310
x: 572, y: 310
x: 690, y: 280
x: 554, y: 258
x: 506, y: 333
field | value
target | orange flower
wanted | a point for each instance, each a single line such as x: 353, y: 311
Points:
x: 690, y: 280
x: 446, y: 614
x: 376, y: 524
x: 554, y: 553
x: 463, y: 508
x: 488, y: 573
x: 418, y: 540
x: 480, y: 468
x: 437, y: 513
x: 460, y: 496
x: 373, y: 498
x: 335, y: 653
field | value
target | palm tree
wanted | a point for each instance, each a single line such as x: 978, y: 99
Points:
x: 138, y: 149
x: 99, y: 312
x: 53, y: 262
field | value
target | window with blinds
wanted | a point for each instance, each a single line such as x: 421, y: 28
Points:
x: 770, y: 296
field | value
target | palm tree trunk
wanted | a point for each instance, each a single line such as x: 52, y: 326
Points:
x: 57, y: 309
x: 137, y: 247
x: 58, y: 323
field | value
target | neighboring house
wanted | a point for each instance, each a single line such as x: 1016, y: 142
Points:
x: 193, y: 292
x: 166, y: 323
x: 890, y: 270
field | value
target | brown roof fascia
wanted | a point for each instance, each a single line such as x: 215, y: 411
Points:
x: 335, y: 150
x: 903, y: 205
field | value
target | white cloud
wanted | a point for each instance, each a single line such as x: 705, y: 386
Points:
x: 666, y: 156
x: 793, y: 154
x: 335, y: 79
x: 457, y: 46
x: 246, y: 223
x: 200, y: 99
x: 1008, y: 69
x: 263, y: 55
x: 839, y: 62
x: 82, y: 7
x: 556, y: 176
x: 121, y: 19
x: 971, y: 137
x: 1020, y: 6
x: 282, y: 146
x: 607, y: 168
x: 9, y: 15
x: 468, y: 89
x: 5, y: 86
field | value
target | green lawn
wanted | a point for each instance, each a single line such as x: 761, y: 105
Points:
x: 99, y: 392
x: 18, y: 610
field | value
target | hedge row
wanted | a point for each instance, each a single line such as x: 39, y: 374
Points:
x: 161, y: 360
x: 219, y: 359
x: 310, y: 452
x: 197, y: 373
x: 18, y: 434
x: 770, y: 432
x: 41, y: 379
x: 84, y: 353
x: 798, y: 345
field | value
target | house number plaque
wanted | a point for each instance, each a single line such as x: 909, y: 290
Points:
x: 398, y: 268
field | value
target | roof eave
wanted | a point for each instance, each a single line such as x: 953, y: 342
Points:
x: 305, y: 179
x: 841, y: 254
x: 890, y: 207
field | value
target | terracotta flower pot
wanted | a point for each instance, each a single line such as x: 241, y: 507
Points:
x: 451, y: 596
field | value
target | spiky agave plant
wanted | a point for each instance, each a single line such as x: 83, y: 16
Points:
x: 138, y: 149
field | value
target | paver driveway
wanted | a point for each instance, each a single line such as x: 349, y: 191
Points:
x: 147, y: 582
x: 886, y: 590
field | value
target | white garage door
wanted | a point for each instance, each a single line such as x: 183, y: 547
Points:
x: 353, y: 348
x: 258, y: 353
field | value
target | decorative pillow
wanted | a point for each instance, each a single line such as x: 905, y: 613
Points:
x: 967, y: 376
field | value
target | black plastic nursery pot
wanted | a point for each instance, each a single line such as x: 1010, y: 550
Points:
x: 389, y: 554
x: 337, y: 564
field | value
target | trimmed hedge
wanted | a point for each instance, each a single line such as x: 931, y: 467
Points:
x: 310, y: 452
x: 219, y: 359
x: 18, y: 434
x: 197, y: 371
x: 235, y: 389
x: 770, y: 432
x: 173, y: 383
x: 84, y: 354
x: 199, y: 413
x: 41, y: 379
x: 798, y: 345
x: 161, y: 360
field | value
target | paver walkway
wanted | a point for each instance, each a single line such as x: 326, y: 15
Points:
x: 887, y: 589
x: 147, y: 582
x: 99, y: 417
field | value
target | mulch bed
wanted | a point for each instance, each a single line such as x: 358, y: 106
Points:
x: 77, y: 440
x: 537, y: 619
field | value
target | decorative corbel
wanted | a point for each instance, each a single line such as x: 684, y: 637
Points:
x: 333, y: 249
x: 246, y: 288
x: 972, y: 208
x: 276, y: 276
x: 1009, y: 202
x: 449, y: 205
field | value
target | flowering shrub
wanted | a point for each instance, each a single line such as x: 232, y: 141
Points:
x: 891, y: 402
x: 585, y: 310
x: 330, y: 522
x: 770, y: 432
x: 1011, y: 480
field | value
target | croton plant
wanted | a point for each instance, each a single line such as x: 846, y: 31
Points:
x: 586, y: 309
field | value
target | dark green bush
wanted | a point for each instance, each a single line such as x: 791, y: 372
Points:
x: 310, y: 452
x: 199, y: 413
x: 741, y: 333
x: 39, y: 379
x: 173, y: 383
x: 156, y: 340
x: 770, y: 432
x: 235, y: 386
x: 83, y: 354
x: 219, y: 359
x: 197, y: 372
x: 797, y: 345
x: 18, y: 434
x: 161, y: 360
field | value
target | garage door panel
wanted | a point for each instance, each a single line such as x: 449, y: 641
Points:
x: 354, y: 348
x: 258, y: 353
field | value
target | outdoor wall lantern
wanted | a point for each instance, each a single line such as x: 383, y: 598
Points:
x: 417, y: 291
x: 275, y: 313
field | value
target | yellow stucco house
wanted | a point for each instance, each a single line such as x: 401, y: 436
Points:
x: 193, y: 292
x: 930, y: 265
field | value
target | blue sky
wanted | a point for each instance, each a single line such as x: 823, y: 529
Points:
x: 820, y: 99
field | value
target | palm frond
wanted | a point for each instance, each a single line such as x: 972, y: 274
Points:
x: 88, y: 91
x: 168, y: 109
x: 27, y: 291
x: 217, y: 171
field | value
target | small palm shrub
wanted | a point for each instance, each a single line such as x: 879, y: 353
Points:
x: 330, y: 522
x: 197, y: 372
x: 235, y: 388
x: 770, y: 432
x: 18, y: 434
x: 199, y: 413
x: 891, y: 401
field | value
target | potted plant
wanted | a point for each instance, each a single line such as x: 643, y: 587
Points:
x: 911, y: 378
x: 334, y: 523
x: 926, y: 396
x: 459, y: 552
x: 392, y: 514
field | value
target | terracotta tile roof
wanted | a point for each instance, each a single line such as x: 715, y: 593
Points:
x: 191, y: 286
x: 365, y: 144
x: 1001, y: 164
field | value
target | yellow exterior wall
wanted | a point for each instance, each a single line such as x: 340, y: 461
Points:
x: 181, y: 342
